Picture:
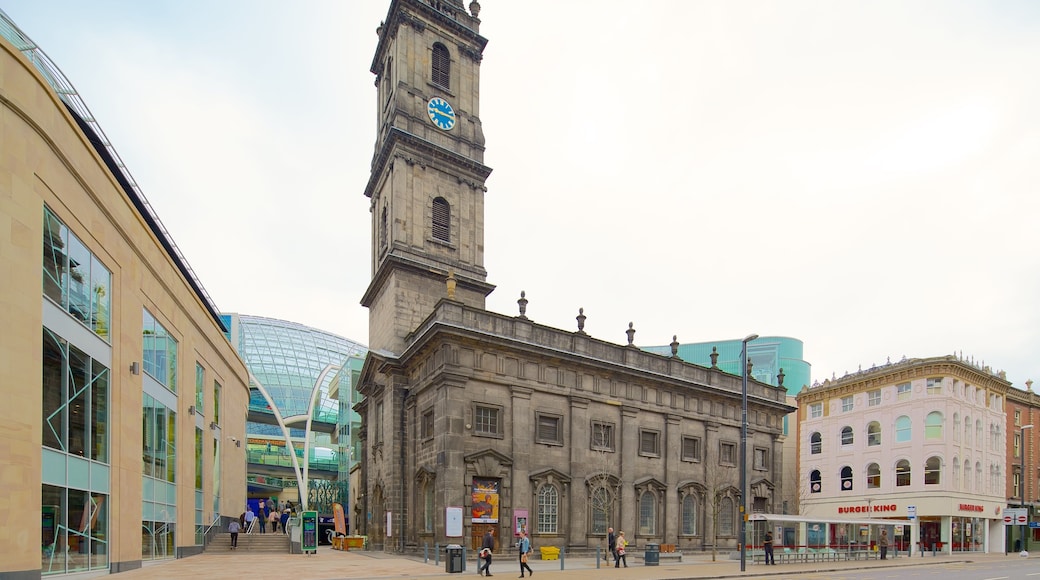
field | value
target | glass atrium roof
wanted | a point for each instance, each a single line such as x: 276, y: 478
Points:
x: 287, y: 358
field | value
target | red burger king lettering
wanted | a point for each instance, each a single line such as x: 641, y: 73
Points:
x: 863, y: 509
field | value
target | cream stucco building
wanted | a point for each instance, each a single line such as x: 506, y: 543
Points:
x: 921, y: 438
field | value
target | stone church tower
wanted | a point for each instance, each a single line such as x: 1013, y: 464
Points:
x: 428, y: 173
x: 475, y: 420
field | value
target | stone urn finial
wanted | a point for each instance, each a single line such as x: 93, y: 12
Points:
x: 631, y: 332
x: 581, y: 320
x: 522, y: 302
x: 451, y: 284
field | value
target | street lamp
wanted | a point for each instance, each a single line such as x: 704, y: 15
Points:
x: 1022, y: 478
x: 743, y: 449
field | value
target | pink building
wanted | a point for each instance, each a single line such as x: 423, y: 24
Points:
x: 920, y: 438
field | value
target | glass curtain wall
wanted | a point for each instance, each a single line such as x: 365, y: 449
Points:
x: 159, y: 493
x: 74, y: 515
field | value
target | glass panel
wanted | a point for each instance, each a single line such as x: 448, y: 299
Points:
x: 99, y: 533
x: 52, y: 531
x: 198, y: 459
x: 160, y: 440
x: 171, y: 446
x: 147, y: 436
x: 54, y: 408
x: 200, y: 388
x: 101, y: 309
x: 55, y: 261
x: 99, y: 413
x: 78, y: 385
x: 79, y: 280
x: 78, y: 536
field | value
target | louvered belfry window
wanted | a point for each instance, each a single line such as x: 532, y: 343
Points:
x: 441, y: 65
x: 441, y: 220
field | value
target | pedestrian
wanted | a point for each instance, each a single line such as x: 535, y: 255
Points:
x: 525, y: 551
x: 273, y: 520
x: 233, y: 528
x: 767, y: 543
x: 250, y: 516
x: 621, y: 544
x: 284, y: 520
x: 883, y: 543
x: 261, y: 518
x: 612, y: 544
x: 486, y: 547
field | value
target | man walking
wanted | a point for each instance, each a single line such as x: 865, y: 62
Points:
x: 612, y: 544
x: 767, y: 543
x: 250, y: 516
x: 233, y: 528
x: 486, y: 547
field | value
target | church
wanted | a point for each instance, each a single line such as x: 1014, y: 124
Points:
x: 474, y: 419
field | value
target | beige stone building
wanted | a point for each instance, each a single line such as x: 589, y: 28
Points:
x: 474, y: 419
x: 123, y: 400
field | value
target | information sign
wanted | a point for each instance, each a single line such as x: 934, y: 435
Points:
x: 309, y: 541
x: 911, y: 511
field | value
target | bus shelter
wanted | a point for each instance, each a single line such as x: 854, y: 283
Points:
x: 805, y: 538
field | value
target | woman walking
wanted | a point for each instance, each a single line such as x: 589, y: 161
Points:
x: 525, y: 550
x: 622, y: 543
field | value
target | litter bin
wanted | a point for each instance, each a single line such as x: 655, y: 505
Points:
x: 652, y: 556
x: 453, y: 558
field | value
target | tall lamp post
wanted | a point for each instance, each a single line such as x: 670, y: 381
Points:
x: 743, y: 449
x: 1022, y: 478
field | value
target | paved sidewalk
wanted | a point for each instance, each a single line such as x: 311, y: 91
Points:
x: 328, y: 564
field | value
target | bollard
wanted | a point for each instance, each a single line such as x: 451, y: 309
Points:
x: 426, y: 553
x: 437, y: 553
x: 563, y: 555
x: 933, y: 549
x: 597, y: 555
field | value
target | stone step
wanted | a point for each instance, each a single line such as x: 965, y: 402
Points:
x: 255, y: 543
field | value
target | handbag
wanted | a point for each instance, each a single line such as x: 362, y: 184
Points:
x: 523, y: 557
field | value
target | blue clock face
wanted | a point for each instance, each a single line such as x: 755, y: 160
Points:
x: 441, y: 113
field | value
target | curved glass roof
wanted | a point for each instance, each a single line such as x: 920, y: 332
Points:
x: 287, y: 358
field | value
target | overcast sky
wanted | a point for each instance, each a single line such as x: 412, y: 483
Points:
x: 862, y: 176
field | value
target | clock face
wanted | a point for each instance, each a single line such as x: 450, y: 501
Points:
x: 441, y: 113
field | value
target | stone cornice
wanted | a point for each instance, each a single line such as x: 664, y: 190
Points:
x: 410, y: 142
x: 408, y: 12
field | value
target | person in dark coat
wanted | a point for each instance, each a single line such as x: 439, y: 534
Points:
x: 486, y: 547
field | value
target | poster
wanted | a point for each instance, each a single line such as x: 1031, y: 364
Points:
x: 484, y: 509
x: 453, y: 522
x: 389, y: 521
x: 520, y: 520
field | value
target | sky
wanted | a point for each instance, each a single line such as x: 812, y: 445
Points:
x: 862, y: 176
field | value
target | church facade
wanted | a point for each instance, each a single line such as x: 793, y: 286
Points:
x: 475, y: 419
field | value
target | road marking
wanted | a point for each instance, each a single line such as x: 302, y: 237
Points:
x: 997, y: 578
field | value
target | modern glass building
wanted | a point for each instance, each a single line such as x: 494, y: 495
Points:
x: 290, y: 360
x: 768, y: 354
x: 120, y: 388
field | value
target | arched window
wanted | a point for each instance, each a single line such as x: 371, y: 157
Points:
x: 846, y: 478
x: 815, y: 481
x: 441, y: 73
x: 873, y: 476
x: 932, y: 471
x: 647, y: 513
x: 903, y: 431
x: 902, y: 473
x: 600, y: 507
x: 726, y: 517
x: 933, y: 425
x: 873, y: 434
x: 441, y: 220
x: 846, y: 436
x: 428, y: 509
x: 956, y: 427
x: 689, y: 515
x: 548, y: 509
x: 967, y: 475
x: 816, y: 443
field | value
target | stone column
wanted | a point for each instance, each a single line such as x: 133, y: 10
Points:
x: 577, y: 527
